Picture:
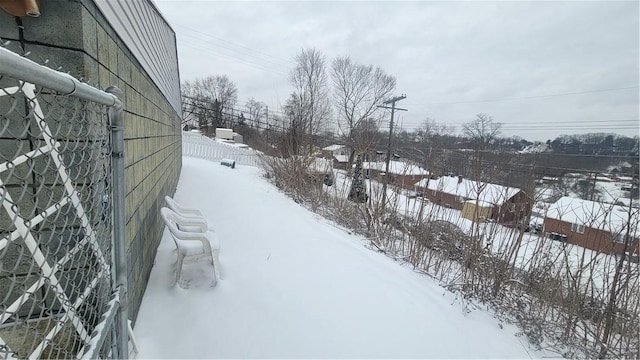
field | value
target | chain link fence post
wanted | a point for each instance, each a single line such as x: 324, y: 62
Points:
x: 116, y: 120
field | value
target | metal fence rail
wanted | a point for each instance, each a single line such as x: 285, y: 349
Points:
x: 200, y: 146
x: 62, y: 269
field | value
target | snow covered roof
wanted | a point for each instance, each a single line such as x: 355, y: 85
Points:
x: 395, y: 167
x: 596, y: 215
x: 534, y: 148
x: 423, y: 183
x: 618, y: 167
x: 341, y: 158
x: 603, y: 178
x: 486, y: 192
x: 333, y: 147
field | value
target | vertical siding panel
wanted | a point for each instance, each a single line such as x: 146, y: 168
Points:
x: 139, y: 24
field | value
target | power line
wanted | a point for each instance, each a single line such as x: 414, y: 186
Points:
x: 527, y: 97
x: 605, y: 130
x: 593, y: 124
x: 247, y: 48
x: 556, y: 121
x: 277, y: 113
x: 244, y: 61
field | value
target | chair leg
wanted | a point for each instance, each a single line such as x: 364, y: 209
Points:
x: 179, y: 267
x: 215, y: 276
x: 215, y: 261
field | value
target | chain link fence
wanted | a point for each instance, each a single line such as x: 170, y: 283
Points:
x: 60, y: 291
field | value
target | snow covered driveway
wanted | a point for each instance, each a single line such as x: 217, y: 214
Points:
x: 295, y: 286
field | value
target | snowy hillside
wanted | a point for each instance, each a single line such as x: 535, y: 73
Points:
x: 294, y: 285
x: 535, y: 148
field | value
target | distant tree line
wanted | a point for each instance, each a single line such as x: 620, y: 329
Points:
x: 595, y: 144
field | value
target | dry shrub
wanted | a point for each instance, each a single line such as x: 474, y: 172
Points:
x: 553, y: 299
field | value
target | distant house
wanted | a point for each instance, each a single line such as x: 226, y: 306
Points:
x: 228, y: 135
x: 575, y: 176
x: 593, y: 225
x: 622, y: 168
x: 549, y: 180
x: 401, y: 173
x: 317, y: 170
x: 508, y: 205
x: 338, y: 154
x: 599, y: 177
x: 476, y: 210
x: 623, y: 179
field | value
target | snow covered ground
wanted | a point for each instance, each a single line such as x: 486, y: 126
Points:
x: 294, y: 285
x: 613, y: 192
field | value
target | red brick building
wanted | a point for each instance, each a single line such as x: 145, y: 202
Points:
x: 401, y: 173
x: 510, y: 205
x: 597, y: 226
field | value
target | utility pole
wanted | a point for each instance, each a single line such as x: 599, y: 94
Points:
x: 393, y: 108
x: 593, y: 189
x: 266, y: 123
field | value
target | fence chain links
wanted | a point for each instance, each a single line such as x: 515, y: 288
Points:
x: 55, y: 222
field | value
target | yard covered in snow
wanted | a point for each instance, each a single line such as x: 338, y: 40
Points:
x: 294, y: 285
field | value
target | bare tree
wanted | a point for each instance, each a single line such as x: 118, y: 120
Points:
x: 308, y: 108
x: 482, y: 131
x: 207, y: 102
x: 430, y: 129
x: 255, y: 111
x: 366, y: 135
x: 297, y: 127
x: 222, y: 91
x: 191, y: 114
x: 432, y: 139
x: 198, y: 109
x: 358, y: 90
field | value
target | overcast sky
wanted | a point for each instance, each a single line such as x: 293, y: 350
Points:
x: 541, y: 68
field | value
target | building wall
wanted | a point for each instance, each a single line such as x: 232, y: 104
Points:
x: 145, y: 33
x: 475, y: 212
x: 76, y: 37
x: 443, y: 199
x: 405, y: 181
x: 340, y: 165
x: 594, y: 239
x: 513, y: 210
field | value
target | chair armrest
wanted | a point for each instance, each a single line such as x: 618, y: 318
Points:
x: 189, y: 211
x: 181, y: 210
x: 189, y: 235
x: 195, y: 236
x: 191, y: 224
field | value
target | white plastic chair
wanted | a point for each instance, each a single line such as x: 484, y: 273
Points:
x: 182, y: 210
x: 192, y: 242
x: 186, y: 212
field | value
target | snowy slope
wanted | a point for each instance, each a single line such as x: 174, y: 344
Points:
x: 293, y: 285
